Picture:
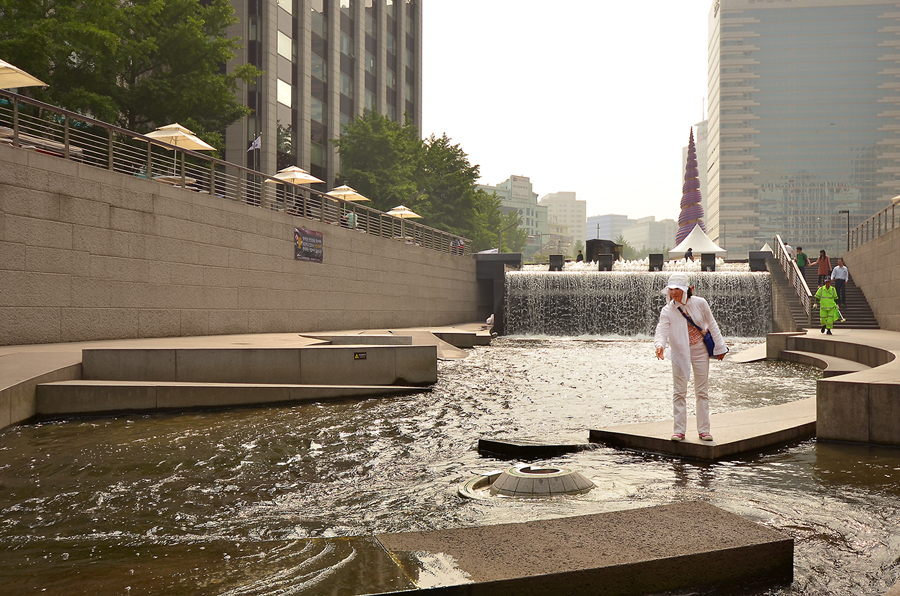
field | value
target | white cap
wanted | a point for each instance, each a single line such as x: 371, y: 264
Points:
x: 678, y: 281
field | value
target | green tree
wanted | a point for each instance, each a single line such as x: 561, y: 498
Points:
x: 386, y: 162
x: 629, y: 253
x: 136, y: 63
x: 381, y: 159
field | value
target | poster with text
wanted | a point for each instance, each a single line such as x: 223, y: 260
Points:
x: 308, y: 245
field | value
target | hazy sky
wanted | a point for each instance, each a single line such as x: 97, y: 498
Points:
x: 591, y: 96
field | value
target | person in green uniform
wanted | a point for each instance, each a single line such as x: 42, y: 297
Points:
x: 826, y: 297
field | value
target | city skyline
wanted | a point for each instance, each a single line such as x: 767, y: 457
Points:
x: 562, y: 95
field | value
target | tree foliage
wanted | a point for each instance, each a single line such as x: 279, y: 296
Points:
x: 135, y: 63
x: 388, y: 163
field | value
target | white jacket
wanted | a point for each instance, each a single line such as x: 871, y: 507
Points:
x: 673, y: 329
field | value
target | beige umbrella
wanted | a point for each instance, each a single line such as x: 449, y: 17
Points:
x: 178, y: 135
x: 403, y: 212
x: 346, y: 193
x: 12, y: 77
x: 294, y: 175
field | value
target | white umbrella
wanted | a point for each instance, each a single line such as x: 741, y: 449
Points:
x: 12, y: 77
x: 294, y: 175
x: 178, y: 135
x: 403, y: 212
x: 346, y: 193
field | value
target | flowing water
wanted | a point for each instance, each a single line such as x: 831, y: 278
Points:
x: 284, y: 500
x: 627, y: 303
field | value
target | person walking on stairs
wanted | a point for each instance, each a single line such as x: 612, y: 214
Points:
x: 824, y: 264
x: 826, y: 298
x: 840, y: 276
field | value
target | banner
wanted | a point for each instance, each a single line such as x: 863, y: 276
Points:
x: 308, y: 245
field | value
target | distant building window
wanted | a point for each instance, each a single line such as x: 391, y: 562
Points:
x: 284, y: 92
x: 285, y: 46
x: 287, y: 5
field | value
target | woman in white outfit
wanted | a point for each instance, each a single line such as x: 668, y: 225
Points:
x: 686, y: 350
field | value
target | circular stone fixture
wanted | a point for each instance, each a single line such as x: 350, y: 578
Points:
x: 529, y: 482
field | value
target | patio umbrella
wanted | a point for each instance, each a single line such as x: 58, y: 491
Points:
x: 294, y: 175
x: 12, y: 77
x: 346, y: 193
x: 178, y: 135
x: 403, y: 212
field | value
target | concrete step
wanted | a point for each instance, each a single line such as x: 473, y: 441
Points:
x: 831, y: 366
x: 638, y: 551
x: 361, y: 364
x: 94, y: 397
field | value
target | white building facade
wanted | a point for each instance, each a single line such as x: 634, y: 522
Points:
x: 565, y: 209
x: 606, y: 227
x: 648, y: 234
x: 516, y: 194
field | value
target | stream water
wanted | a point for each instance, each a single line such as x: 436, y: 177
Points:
x: 285, y: 500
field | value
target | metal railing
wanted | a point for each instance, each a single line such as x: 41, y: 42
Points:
x: 879, y: 224
x: 36, y: 126
x: 794, y: 277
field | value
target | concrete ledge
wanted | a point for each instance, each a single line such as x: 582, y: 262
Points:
x: 735, y: 433
x: 22, y: 373
x: 309, y: 365
x: 861, y: 406
x: 459, y: 339
x: 519, y: 449
x: 356, y: 339
x: 640, y: 551
x: 831, y: 366
x: 93, y: 397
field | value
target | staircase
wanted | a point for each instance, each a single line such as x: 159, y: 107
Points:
x: 857, y: 312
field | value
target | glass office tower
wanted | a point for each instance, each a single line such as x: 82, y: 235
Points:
x: 325, y: 62
x: 804, y: 120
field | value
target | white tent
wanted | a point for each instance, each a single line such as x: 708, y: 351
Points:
x: 699, y: 242
x: 766, y: 247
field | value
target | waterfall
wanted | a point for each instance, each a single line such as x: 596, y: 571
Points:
x: 628, y: 303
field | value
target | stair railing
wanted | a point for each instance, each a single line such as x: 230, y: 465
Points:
x: 794, y: 277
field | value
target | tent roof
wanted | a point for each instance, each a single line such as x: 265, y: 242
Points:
x: 699, y: 242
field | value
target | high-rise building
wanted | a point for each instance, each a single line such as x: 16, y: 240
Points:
x: 325, y: 62
x: 606, y: 227
x: 804, y: 120
x: 563, y: 208
x: 648, y: 234
x: 516, y: 194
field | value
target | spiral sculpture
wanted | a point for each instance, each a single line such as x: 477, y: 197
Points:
x: 691, y: 210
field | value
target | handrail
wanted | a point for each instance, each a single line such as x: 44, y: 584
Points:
x: 44, y: 128
x: 794, y: 277
x: 877, y: 225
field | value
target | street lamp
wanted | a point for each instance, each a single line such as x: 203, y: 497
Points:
x: 847, y: 211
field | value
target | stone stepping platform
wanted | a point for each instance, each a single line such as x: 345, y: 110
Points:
x: 94, y: 397
x: 735, y: 433
x: 526, y: 450
x: 682, y: 546
x: 831, y: 366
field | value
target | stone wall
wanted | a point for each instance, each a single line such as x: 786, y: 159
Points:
x: 875, y: 267
x: 87, y: 254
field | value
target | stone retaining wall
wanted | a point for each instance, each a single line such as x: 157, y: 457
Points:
x: 875, y: 267
x: 87, y: 254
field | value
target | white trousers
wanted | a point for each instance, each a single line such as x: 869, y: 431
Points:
x: 700, y: 364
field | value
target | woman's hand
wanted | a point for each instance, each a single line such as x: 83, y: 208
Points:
x: 659, y: 353
x: 720, y: 356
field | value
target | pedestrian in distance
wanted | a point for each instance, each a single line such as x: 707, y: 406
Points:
x: 802, y: 261
x: 579, y: 258
x: 824, y: 264
x: 826, y: 298
x: 678, y: 329
x: 840, y: 275
x: 689, y: 255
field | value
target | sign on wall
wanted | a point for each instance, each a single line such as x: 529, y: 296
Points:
x: 308, y: 245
